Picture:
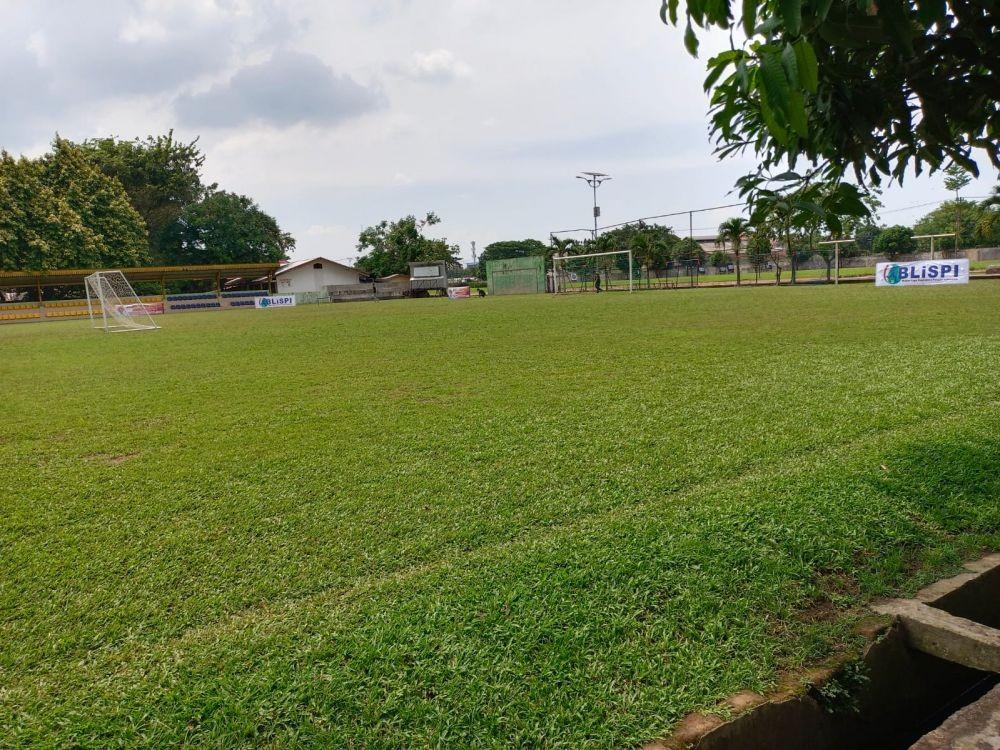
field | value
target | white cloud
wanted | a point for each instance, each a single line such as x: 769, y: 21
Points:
x: 324, y: 113
x: 289, y: 88
x: 436, y: 66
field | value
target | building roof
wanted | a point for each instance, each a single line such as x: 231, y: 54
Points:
x: 300, y: 263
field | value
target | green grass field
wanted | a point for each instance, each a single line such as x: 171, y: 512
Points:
x: 512, y: 522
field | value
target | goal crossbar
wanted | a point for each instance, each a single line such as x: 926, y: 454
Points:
x: 559, y: 283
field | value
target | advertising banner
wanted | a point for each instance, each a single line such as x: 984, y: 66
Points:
x: 459, y: 292
x: 281, y: 300
x: 150, y: 308
x: 923, y: 272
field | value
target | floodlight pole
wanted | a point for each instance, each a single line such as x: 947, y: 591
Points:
x: 595, y: 180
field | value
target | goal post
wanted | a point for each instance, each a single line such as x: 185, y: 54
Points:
x: 593, y: 272
x: 113, y: 304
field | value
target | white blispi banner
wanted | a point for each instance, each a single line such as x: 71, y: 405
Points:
x: 283, y: 300
x: 923, y: 272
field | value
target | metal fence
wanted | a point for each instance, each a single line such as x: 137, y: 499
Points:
x: 516, y: 275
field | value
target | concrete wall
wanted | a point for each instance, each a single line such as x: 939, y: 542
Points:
x: 305, y: 278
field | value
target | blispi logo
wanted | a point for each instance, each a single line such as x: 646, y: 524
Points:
x: 265, y: 302
x: 920, y: 273
x: 893, y: 274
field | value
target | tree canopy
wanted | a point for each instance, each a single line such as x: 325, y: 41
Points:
x: 512, y: 249
x: 60, y: 211
x: 895, y: 241
x: 390, y: 247
x: 109, y: 203
x: 161, y: 176
x: 228, y: 228
x: 849, y: 87
x: 971, y: 220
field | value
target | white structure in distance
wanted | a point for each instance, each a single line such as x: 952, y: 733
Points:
x: 315, y: 275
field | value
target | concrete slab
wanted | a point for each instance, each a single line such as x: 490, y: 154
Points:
x: 946, y: 636
x: 975, y: 727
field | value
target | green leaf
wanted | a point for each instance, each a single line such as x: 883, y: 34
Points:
x: 690, y: 40
x: 896, y: 22
x: 663, y: 11
x: 770, y: 117
x: 714, y: 75
x: 775, y: 83
x: 808, y: 68
x: 749, y: 16
x: 797, y: 113
x: 672, y: 11
x: 791, y: 66
x: 822, y: 9
x: 929, y: 11
x: 791, y: 14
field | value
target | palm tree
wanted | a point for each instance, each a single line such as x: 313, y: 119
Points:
x: 733, y: 230
x: 642, y: 249
x: 559, y: 246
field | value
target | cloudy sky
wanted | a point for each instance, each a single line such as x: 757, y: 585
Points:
x: 335, y: 114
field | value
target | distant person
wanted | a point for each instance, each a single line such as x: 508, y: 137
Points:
x: 597, y: 283
x: 482, y: 292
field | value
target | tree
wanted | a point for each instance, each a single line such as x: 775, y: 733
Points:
x: 101, y: 205
x: 864, y: 237
x: 511, y: 249
x: 689, y: 251
x: 956, y: 178
x: 59, y: 211
x: 719, y: 259
x: 38, y: 230
x: 561, y: 246
x: 228, y: 228
x: 642, y: 252
x: 733, y: 231
x: 959, y: 216
x: 390, y: 247
x: 828, y: 253
x: 895, y: 241
x: 758, y: 251
x: 856, y: 87
x: 161, y: 176
x: 988, y: 225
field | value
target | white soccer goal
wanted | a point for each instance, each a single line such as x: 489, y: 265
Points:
x: 113, y: 304
x: 593, y: 272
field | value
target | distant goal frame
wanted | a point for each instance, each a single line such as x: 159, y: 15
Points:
x: 113, y: 305
x: 559, y: 282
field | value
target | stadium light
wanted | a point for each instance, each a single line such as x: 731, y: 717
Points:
x: 595, y: 180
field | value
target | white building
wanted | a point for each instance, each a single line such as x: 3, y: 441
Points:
x: 314, y: 275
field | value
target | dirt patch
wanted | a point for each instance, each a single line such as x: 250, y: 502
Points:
x: 112, y: 459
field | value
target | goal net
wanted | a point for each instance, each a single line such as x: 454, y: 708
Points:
x: 594, y: 272
x: 113, y: 304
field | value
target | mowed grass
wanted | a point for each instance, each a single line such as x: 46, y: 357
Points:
x: 511, y: 522
x: 813, y: 274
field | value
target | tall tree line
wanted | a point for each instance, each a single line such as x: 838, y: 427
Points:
x: 107, y: 203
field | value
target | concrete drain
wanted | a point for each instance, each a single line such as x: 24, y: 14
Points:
x: 933, y: 683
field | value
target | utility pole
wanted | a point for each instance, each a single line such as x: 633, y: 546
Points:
x: 595, y: 180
